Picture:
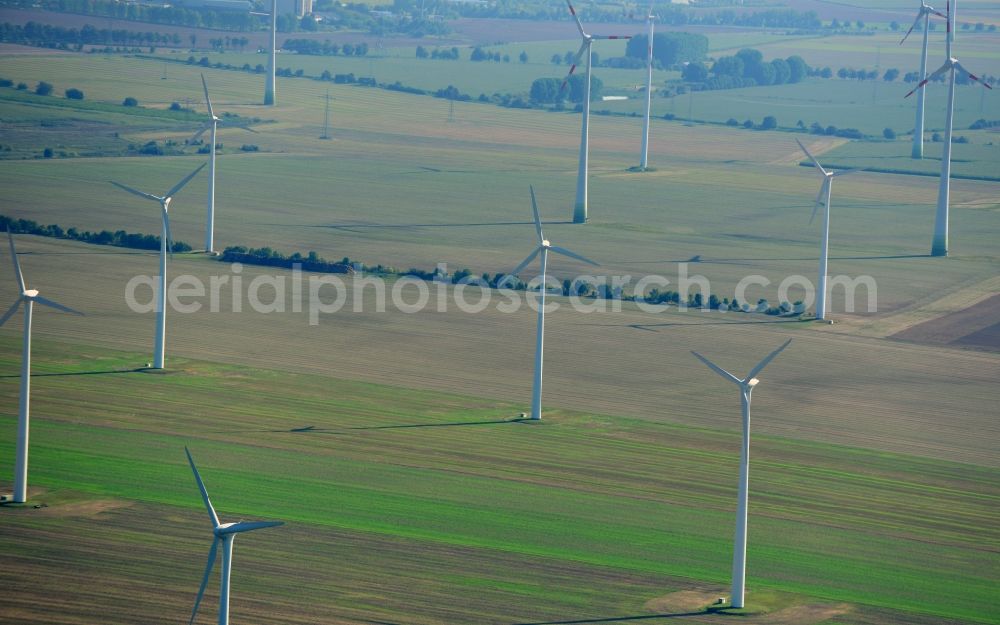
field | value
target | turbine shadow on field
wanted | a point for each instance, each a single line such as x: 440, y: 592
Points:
x: 312, y: 429
x: 72, y: 373
x: 440, y: 425
x: 734, y: 261
x: 615, y: 619
x: 648, y: 327
x: 350, y: 227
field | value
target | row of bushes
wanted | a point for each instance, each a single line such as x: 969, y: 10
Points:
x: 119, y: 238
x: 42, y: 88
x: 312, y: 262
x: 324, y: 48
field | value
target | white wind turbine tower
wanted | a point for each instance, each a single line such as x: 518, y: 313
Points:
x: 28, y: 297
x: 543, y: 248
x: 212, y: 124
x: 740, y: 542
x: 643, y: 157
x: 166, y: 243
x: 918, y: 128
x: 939, y: 246
x: 222, y: 533
x: 825, y: 193
x: 580, y: 205
x: 269, y: 84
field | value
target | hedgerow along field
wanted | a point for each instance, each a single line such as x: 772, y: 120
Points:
x: 421, y: 505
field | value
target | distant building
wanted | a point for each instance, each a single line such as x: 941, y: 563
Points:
x: 299, y: 7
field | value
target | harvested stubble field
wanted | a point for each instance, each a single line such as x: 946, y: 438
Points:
x: 831, y: 387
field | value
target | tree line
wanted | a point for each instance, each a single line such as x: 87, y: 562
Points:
x: 154, y: 13
x: 119, y: 238
x: 35, y: 34
x: 324, y: 48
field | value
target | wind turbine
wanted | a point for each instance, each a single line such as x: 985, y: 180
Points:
x: 28, y: 297
x: 580, y: 205
x: 269, y: 84
x: 166, y: 243
x: 939, y: 246
x: 543, y: 248
x: 918, y: 129
x: 649, y: 89
x: 222, y: 533
x: 740, y: 541
x: 212, y: 124
x: 825, y: 192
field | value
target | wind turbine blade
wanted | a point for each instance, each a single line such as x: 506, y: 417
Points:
x: 566, y: 252
x: 763, y: 363
x: 10, y: 311
x: 200, y: 132
x: 17, y: 264
x: 180, y: 185
x: 959, y: 67
x: 819, y: 199
x: 204, y: 579
x: 534, y: 210
x: 811, y: 157
x: 576, y: 61
x: 166, y: 228
x: 525, y: 262
x: 714, y: 367
x: 204, y: 493
x: 944, y: 68
x: 208, y: 100
x: 915, y: 22
x: 249, y: 526
x: 148, y: 196
x: 579, y: 26
x: 844, y: 172
x: 47, y: 302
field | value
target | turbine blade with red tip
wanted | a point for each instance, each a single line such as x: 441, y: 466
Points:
x: 944, y: 68
x: 915, y: 22
x: 576, y: 18
x: 959, y: 67
x: 576, y: 61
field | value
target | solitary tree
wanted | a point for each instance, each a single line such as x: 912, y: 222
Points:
x: 43, y: 88
x: 74, y: 94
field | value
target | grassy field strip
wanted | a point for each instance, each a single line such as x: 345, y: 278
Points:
x: 801, y: 470
x: 492, y: 517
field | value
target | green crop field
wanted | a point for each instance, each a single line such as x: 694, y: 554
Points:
x: 389, y: 440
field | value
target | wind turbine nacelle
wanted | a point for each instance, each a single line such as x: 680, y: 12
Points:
x: 753, y: 382
x: 30, y: 293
